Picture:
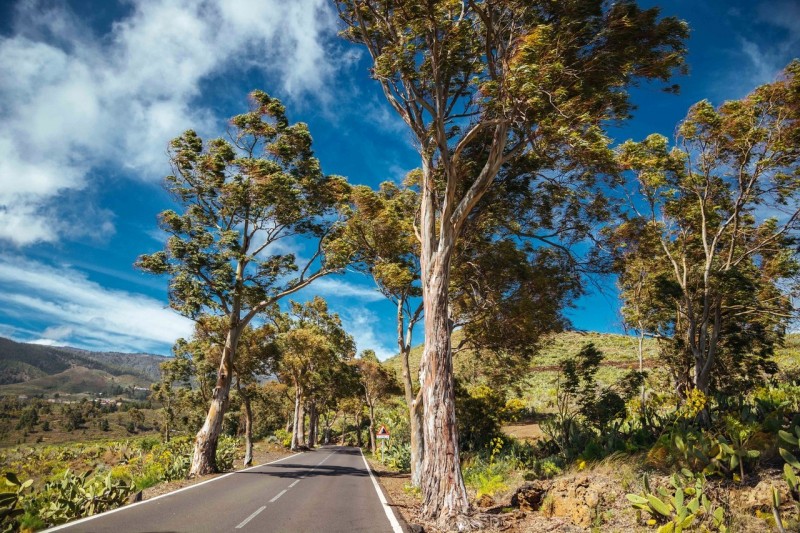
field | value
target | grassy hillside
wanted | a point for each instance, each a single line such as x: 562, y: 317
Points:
x: 537, y: 386
x: 35, y: 369
x: 620, y: 352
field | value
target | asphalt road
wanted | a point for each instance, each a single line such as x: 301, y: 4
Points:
x: 328, y: 490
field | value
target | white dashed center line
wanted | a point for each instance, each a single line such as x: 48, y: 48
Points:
x: 281, y: 493
x: 246, y: 520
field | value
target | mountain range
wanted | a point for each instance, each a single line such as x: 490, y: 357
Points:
x: 37, y: 369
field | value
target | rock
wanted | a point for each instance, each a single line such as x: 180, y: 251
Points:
x: 530, y: 495
x: 760, y: 496
x: 137, y: 497
x: 415, y: 528
x: 580, y: 498
x: 485, y: 501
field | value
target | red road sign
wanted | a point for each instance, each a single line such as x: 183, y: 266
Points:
x: 382, y: 433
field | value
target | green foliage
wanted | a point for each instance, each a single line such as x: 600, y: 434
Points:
x: 72, y: 496
x: 284, y: 437
x: 396, y: 455
x: 479, y: 412
x: 669, y: 505
x: 545, y: 468
x: 699, y: 268
x: 226, y: 452
x: 11, y: 501
x: 488, y: 477
x: 584, y: 409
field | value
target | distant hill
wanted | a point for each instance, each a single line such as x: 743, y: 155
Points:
x: 33, y: 369
x: 536, y: 384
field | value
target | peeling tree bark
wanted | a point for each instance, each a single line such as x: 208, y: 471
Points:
x: 444, y: 493
x: 204, y: 459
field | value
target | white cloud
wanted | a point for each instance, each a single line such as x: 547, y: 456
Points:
x: 363, y: 325
x: 339, y: 288
x: 85, y: 314
x: 72, y: 101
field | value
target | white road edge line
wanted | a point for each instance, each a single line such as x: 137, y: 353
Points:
x: 281, y: 493
x: 296, y: 481
x: 124, y: 507
x: 388, y: 510
x: 246, y: 520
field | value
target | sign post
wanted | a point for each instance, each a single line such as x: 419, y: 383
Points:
x: 383, y: 436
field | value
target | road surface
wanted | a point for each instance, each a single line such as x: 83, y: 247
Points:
x: 328, y: 489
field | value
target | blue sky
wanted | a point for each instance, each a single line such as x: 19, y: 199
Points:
x: 92, y: 91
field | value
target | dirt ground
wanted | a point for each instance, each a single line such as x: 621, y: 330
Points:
x: 528, y: 432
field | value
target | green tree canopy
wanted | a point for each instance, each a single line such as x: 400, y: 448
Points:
x: 241, y: 199
x: 709, y: 254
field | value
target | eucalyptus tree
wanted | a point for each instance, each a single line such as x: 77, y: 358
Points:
x: 241, y: 199
x: 312, y: 343
x: 381, y: 236
x: 716, y: 225
x: 257, y: 357
x: 377, y: 383
x: 530, y: 80
x: 176, y: 375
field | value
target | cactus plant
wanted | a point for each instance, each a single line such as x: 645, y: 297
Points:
x: 11, y: 501
x: 672, y: 508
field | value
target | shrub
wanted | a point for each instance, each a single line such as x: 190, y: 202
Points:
x: 479, y: 414
x: 397, y: 456
x: 226, y: 452
x: 487, y: 478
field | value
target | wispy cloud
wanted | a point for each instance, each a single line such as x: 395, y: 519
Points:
x: 82, y: 313
x: 340, y: 288
x: 364, y: 326
x: 763, y: 59
x: 72, y: 101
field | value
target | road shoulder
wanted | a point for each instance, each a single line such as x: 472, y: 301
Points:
x: 403, y: 501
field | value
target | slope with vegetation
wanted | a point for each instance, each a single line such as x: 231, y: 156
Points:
x: 33, y: 369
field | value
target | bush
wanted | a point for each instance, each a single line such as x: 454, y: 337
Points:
x: 284, y: 437
x: 488, y: 477
x: 226, y: 452
x: 397, y: 456
x: 478, y: 413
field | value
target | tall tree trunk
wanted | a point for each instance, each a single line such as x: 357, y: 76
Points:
x: 344, y: 427
x: 372, y: 428
x: 413, y: 402
x: 298, y: 420
x: 444, y: 494
x: 301, y: 430
x: 204, y: 458
x: 417, y: 440
x: 312, y: 425
x: 640, y: 353
x: 168, y: 415
x: 248, y: 428
x: 359, y: 440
